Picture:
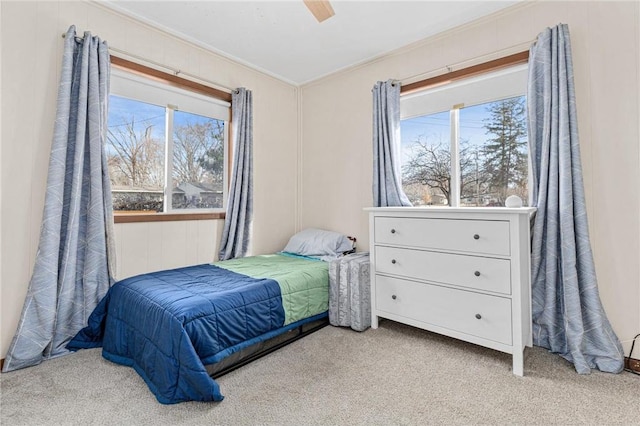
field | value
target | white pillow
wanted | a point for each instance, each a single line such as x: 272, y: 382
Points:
x: 318, y: 242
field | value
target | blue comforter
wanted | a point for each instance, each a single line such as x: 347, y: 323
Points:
x: 168, y: 324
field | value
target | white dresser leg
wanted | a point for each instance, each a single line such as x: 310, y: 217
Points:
x: 518, y: 363
x: 374, y: 321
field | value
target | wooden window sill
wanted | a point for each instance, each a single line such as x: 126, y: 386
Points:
x: 132, y: 217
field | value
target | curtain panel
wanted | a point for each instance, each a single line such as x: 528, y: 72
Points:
x: 75, y: 262
x: 568, y: 317
x: 387, y: 181
x: 237, y: 225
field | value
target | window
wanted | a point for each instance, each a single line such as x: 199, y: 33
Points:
x: 465, y: 143
x: 166, y: 147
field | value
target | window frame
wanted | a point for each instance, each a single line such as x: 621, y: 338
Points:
x: 198, y: 88
x: 452, y: 78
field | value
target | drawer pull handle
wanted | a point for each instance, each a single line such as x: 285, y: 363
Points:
x: 476, y: 236
x: 476, y: 273
x: 393, y: 261
x: 393, y: 297
x: 393, y: 231
x: 478, y: 316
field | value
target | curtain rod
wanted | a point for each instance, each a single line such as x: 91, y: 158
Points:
x: 175, y: 72
x: 481, y: 68
x: 453, y: 67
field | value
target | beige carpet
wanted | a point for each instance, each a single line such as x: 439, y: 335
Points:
x: 396, y: 375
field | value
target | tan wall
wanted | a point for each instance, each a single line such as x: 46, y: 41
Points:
x: 336, y: 130
x: 31, y: 56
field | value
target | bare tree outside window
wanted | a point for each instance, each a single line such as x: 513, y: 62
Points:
x: 136, y: 146
x: 492, y: 151
x: 429, y: 165
x: 135, y: 154
x: 136, y: 157
x: 198, y: 161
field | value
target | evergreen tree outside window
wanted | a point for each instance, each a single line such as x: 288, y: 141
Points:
x: 488, y: 136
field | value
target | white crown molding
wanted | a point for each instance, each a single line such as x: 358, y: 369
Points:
x: 114, y: 8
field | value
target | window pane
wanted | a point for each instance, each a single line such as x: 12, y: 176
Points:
x: 493, y: 152
x: 135, y: 154
x: 198, y: 161
x: 426, y: 159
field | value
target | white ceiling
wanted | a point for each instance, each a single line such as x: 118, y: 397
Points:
x: 283, y: 39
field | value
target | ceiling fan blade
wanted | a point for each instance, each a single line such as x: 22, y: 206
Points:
x: 321, y: 9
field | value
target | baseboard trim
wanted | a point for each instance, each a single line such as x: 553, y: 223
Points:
x: 629, y: 364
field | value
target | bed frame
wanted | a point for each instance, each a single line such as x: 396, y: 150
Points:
x: 258, y: 350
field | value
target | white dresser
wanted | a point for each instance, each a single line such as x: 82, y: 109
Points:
x: 461, y: 272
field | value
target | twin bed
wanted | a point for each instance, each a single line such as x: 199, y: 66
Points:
x: 180, y: 328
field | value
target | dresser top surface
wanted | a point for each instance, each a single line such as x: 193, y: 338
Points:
x: 457, y: 210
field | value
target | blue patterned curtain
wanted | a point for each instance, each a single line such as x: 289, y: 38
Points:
x: 387, y: 182
x: 75, y: 259
x: 568, y: 317
x: 237, y: 224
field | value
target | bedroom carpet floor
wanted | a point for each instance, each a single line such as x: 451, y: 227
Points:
x: 395, y: 375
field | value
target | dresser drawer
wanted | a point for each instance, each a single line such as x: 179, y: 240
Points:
x: 473, y: 236
x: 449, y: 308
x: 482, y: 273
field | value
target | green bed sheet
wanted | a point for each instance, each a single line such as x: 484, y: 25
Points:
x: 304, y: 283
